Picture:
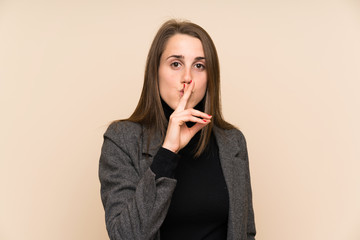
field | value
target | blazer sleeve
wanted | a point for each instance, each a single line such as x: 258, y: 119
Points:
x: 135, y: 203
x: 251, y: 230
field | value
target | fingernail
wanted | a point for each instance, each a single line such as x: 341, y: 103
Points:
x: 184, y: 85
x: 209, y: 115
x: 190, y: 81
x: 204, y: 120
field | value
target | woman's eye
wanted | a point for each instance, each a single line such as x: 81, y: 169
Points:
x: 175, y: 64
x: 199, y: 66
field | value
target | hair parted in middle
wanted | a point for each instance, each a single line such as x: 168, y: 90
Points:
x: 149, y: 111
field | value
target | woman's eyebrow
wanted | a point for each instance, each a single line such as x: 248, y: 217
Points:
x: 182, y: 57
x: 176, y: 56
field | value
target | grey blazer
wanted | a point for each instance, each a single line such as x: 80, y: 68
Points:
x: 136, y: 204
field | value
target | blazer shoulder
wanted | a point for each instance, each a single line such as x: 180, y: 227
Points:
x: 120, y: 131
x: 235, y: 134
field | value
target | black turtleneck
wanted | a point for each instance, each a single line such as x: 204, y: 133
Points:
x: 200, y: 203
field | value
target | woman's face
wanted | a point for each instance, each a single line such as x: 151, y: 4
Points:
x: 182, y: 60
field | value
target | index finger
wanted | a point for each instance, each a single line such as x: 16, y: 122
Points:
x: 188, y: 90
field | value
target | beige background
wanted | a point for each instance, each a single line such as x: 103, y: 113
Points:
x: 290, y: 82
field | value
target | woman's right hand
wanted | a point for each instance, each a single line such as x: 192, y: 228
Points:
x: 178, y: 134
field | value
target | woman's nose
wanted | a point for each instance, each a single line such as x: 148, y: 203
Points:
x: 187, y: 76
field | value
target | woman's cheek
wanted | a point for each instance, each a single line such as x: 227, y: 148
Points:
x: 174, y: 77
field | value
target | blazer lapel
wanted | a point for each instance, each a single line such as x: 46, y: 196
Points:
x: 233, y: 169
x: 150, y: 147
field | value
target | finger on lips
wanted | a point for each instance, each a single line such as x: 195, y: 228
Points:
x: 188, y: 90
x: 184, y: 99
x: 191, y: 114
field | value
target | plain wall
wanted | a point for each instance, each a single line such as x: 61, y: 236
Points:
x: 290, y: 82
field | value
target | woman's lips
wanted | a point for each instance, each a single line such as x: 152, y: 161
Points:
x: 182, y: 91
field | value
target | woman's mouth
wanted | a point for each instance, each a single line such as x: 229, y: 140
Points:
x: 182, y: 92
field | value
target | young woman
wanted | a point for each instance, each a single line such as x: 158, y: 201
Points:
x: 175, y: 169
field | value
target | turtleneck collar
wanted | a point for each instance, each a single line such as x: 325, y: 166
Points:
x: 167, y: 109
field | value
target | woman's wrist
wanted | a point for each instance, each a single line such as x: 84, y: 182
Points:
x: 164, y: 163
x: 170, y: 148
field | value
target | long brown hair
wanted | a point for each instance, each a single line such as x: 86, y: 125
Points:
x: 149, y: 111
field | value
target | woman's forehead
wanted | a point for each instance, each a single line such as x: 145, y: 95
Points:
x: 183, y: 46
